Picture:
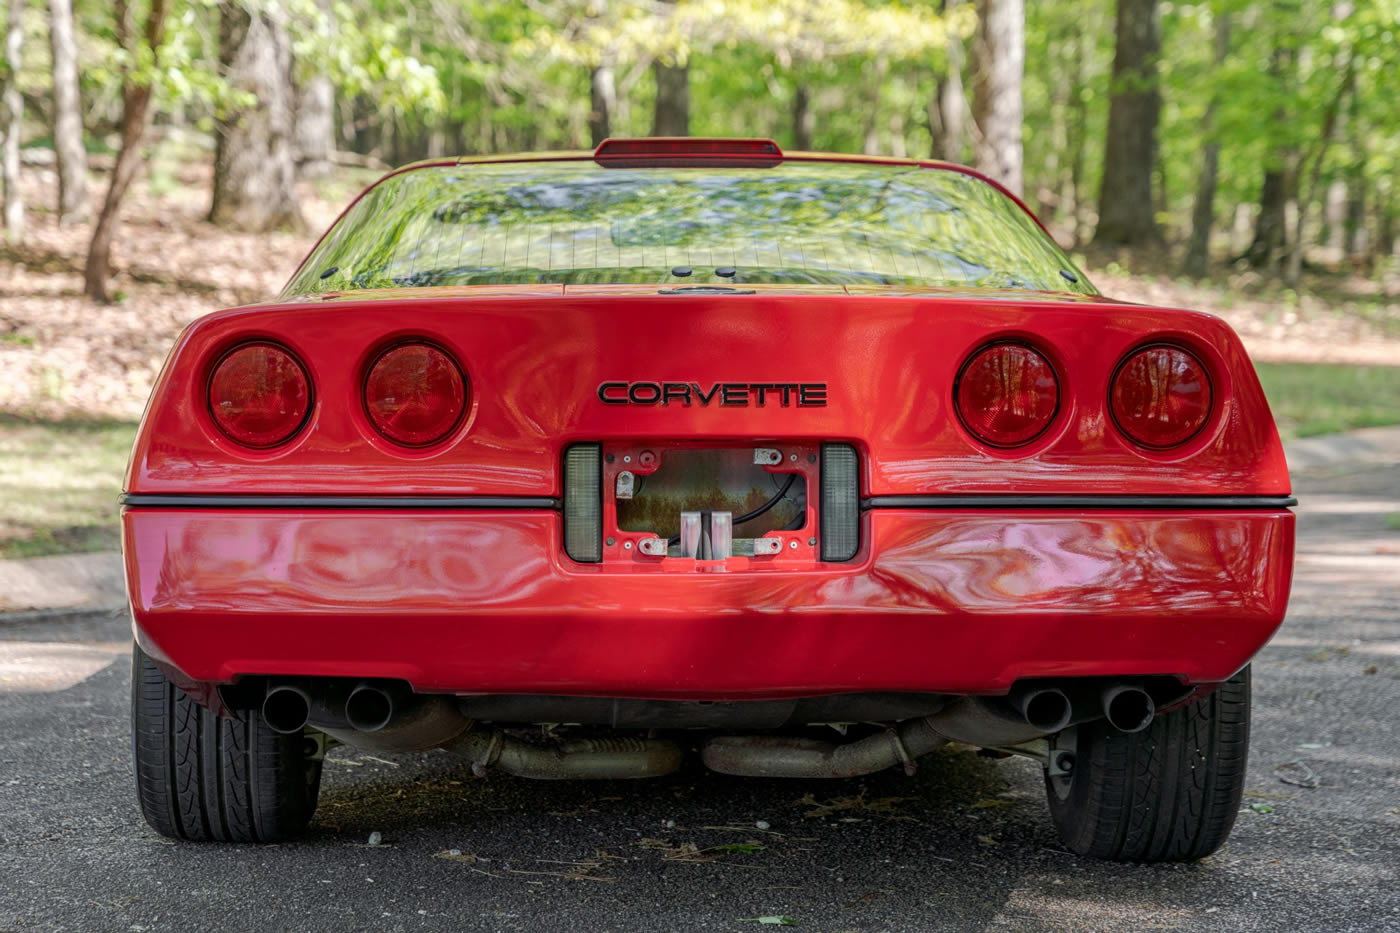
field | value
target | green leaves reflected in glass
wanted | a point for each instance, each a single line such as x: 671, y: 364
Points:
x: 574, y: 222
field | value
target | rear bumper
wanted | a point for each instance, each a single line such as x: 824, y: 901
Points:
x: 955, y: 601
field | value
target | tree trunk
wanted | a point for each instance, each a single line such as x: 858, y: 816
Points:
x: 314, y: 125
x: 998, y: 65
x: 1125, y: 195
x: 1385, y: 234
x: 1280, y: 176
x: 871, y: 132
x: 1294, y: 269
x: 804, y: 121
x: 67, y: 116
x: 1203, y: 214
x: 12, y: 113
x: 1271, y: 226
x: 672, y: 117
x: 1078, y: 131
x: 603, y: 96
x: 136, y: 101
x: 946, y: 109
x: 254, y: 155
x: 1354, y: 224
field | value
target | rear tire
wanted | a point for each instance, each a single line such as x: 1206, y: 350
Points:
x: 202, y: 777
x: 1167, y: 793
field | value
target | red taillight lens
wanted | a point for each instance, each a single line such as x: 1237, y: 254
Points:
x: 415, y: 394
x: 1160, y: 396
x: 259, y: 395
x: 1007, y: 394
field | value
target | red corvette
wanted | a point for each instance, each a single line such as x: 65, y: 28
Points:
x: 812, y: 462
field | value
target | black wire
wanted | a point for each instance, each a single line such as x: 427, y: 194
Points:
x: 750, y: 516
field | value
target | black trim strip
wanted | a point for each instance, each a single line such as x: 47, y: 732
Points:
x: 1077, y: 502
x: 146, y: 501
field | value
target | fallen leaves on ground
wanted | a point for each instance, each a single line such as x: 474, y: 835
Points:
x: 690, y: 852
x: 885, y: 806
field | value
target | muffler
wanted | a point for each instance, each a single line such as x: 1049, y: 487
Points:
x: 1128, y: 708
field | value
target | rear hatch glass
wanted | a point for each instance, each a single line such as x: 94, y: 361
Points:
x: 575, y: 222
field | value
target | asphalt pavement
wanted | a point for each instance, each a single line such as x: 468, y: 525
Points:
x: 966, y: 844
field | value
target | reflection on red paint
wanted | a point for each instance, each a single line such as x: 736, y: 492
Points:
x: 948, y: 601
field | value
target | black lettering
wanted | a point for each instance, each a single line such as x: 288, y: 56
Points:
x: 759, y: 388
x: 734, y: 394
x: 811, y: 394
x: 675, y: 390
x: 703, y: 397
x: 608, y: 386
x: 652, y: 389
x: 786, y: 388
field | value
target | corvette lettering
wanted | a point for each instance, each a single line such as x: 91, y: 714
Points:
x: 722, y: 394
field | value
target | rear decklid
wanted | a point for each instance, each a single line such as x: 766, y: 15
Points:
x: 552, y: 365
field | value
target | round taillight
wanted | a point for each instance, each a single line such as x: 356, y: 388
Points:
x: 1160, y: 396
x: 259, y: 395
x: 1007, y: 394
x: 415, y: 394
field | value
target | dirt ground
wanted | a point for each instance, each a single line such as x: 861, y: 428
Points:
x: 61, y: 355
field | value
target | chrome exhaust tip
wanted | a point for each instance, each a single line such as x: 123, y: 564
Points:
x: 1047, y: 709
x: 286, y: 709
x: 369, y: 708
x: 1128, y: 709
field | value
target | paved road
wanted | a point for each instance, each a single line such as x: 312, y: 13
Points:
x: 964, y: 845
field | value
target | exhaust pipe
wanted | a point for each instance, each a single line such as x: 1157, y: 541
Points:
x: 369, y: 708
x: 1028, y: 713
x: 1127, y: 708
x: 791, y: 757
x: 415, y: 724
x: 605, y: 758
x: 286, y: 709
x: 1046, y: 708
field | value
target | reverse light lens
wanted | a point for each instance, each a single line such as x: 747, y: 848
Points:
x: 840, y: 514
x: 583, y: 503
x: 259, y: 395
x: 1007, y: 394
x: 415, y: 394
x: 1161, y: 396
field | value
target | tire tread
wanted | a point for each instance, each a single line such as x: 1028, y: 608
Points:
x: 1168, y: 793
x: 202, y: 777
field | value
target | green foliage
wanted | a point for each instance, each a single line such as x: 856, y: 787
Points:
x: 423, y: 77
x: 58, y: 484
x: 1318, y: 398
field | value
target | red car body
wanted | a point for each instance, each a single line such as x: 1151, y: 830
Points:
x: 960, y: 597
x: 1073, y: 553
